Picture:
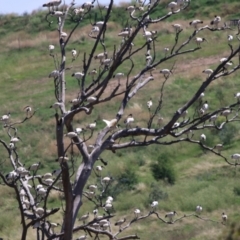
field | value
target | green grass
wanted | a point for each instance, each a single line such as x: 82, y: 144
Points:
x: 201, y: 178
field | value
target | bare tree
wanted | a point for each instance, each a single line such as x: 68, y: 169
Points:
x: 95, y: 87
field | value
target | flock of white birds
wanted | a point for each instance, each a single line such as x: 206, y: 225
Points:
x: 48, y: 179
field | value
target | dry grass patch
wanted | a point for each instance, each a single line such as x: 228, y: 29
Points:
x: 201, y: 167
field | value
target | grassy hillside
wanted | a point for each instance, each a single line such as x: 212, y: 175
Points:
x: 201, y: 177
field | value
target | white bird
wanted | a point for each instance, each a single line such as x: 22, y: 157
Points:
x: 54, y: 225
x: 56, y: 172
x: 92, y: 187
x: 47, y: 175
x: 236, y: 156
x: 201, y: 96
x: 63, y: 35
x: 205, y: 106
x: 108, y: 206
x: 203, y: 137
x: 112, y: 123
x: 75, y: 101
x: 15, y: 139
x: 94, y: 31
x: 208, y: 71
x: 51, y: 48
x: 237, y: 95
x: 78, y: 75
x: 95, y: 225
x: 184, y: 114
x: 99, y: 24
x: 130, y: 8
x: 74, y: 53
x: 106, y: 62
x: 11, y: 145
x: 48, y: 181
x: 120, y: 222
x: 125, y: 34
x: 129, y: 120
x: 91, y: 126
x: 195, y: 23
x: 39, y: 211
x: 226, y: 112
x: 198, y: 209
x: 106, y: 180
x: 91, y: 99
x: 224, y: 218
x: 137, y: 212
x: 176, y: 125
x: 230, y: 38
x: 149, y: 103
x: 100, y: 56
x: 78, y: 11
x: 84, y: 218
x: 118, y: 76
x: 83, y: 237
x: 79, y: 130
x: 159, y: 120
x: 87, y: 5
x: 93, y: 72
x: 148, y: 34
x: 28, y: 110
x: 199, y: 40
x: 213, y: 118
x: 166, y: 50
x: 103, y: 221
x: 110, y: 198
x: 56, y: 105
x: 57, y: 13
x: 53, y: 3
x: 71, y: 135
x: 154, y: 204
x: 219, y: 147
x: 21, y: 170
x: 54, y: 74
x: 41, y: 191
x: 177, y: 27
x: 62, y: 159
x: 148, y: 59
x: 99, y: 168
x: 172, y: 6
x: 5, y: 117
x: 11, y: 176
x: 227, y: 63
x: 166, y: 72
x: 170, y: 215
x: 95, y: 212
x: 38, y: 186
x: 34, y: 166
x: 201, y: 111
x: 216, y: 21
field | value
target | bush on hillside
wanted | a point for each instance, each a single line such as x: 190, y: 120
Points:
x: 162, y: 169
x: 126, y: 181
x: 156, y: 193
x: 227, y: 134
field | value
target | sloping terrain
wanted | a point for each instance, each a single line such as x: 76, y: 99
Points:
x: 201, y: 177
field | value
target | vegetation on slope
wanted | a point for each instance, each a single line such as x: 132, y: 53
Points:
x: 201, y: 178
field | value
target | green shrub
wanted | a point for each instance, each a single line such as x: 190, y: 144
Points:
x: 227, y: 134
x: 236, y: 190
x: 163, y: 169
x: 156, y: 193
x: 126, y: 181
